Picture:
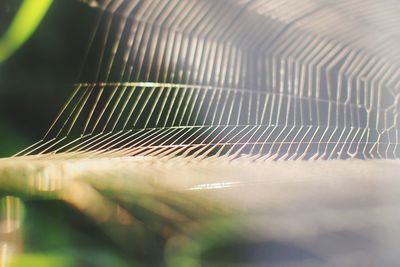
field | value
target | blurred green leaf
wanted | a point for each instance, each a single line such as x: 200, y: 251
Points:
x: 41, y: 260
x: 24, y: 24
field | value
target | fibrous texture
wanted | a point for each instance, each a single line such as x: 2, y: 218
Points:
x: 269, y: 79
x: 182, y: 108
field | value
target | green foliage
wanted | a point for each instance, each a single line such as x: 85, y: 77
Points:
x: 41, y: 260
x: 24, y: 24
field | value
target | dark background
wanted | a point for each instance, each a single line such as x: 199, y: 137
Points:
x: 39, y: 77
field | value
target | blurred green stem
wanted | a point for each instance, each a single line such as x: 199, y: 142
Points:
x: 24, y: 24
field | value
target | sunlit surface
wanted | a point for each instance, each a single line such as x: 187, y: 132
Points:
x: 174, y: 212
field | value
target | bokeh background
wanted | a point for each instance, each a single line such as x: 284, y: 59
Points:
x: 36, y: 81
x: 38, y: 78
